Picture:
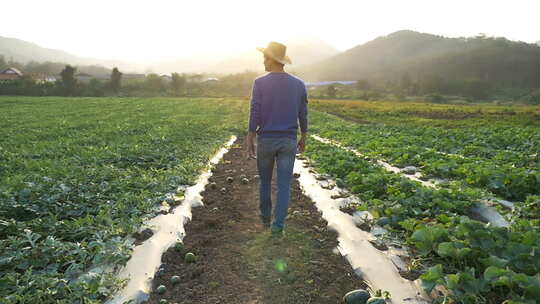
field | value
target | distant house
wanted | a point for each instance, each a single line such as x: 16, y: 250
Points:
x: 323, y: 83
x: 133, y: 76
x: 41, y: 78
x: 83, y: 77
x: 10, y: 74
x: 211, y: 79
x: 166, y: 78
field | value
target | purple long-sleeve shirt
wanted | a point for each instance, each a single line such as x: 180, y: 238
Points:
x: 278, y: 103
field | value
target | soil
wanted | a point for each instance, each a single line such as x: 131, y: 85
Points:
x: 410, y: 275
x: 142, y: 236
x: 239, y: 261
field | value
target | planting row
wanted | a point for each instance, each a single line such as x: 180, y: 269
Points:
x: 475, y: 262
x: 444, y: 153
x: 470, y: 130
x: 77, y: 176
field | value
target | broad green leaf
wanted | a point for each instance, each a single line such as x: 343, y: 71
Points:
x: 452, y: 281
x: 432, y: 277
x: 493, y: 272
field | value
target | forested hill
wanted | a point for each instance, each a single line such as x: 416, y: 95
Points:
x: 419, y: 56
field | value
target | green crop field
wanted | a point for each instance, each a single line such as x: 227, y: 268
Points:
x: 79, y: 175
x: 494, y: 148
x: 480, y: 151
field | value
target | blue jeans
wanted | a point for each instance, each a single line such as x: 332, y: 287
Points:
x: 281, y: 150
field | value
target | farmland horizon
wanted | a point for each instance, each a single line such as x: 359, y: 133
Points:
x: 204, y: 62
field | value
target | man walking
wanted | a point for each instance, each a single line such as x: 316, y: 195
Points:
x: 278, y: 104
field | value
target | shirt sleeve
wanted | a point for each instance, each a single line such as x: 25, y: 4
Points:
x: 255, y: 112
x: 303, y: 113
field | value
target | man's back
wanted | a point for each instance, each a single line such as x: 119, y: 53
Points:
x: 278, y: 102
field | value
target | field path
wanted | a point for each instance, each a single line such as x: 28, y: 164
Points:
x: 238, y: 260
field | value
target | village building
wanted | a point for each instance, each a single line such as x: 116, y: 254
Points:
x: 85, y: 77
x: 12, y: 74
x: 324, y: 83
x: 41, y: 78
x: 9, y: 75
x: 166, y: 78
x: 133, y: 76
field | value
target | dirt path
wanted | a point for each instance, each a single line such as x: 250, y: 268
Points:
x: 240, y: 262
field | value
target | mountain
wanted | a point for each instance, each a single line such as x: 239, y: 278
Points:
x: 380, y: 54
x: 24, y: 52
x: 421, y: 55
x: 301, y: 52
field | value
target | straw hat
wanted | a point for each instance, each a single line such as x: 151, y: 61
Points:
x: 276, y: 51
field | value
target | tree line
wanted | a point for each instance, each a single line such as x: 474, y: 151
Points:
x: 117, y: 85
x: 430, y: 88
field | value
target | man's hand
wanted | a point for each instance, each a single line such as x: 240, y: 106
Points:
x: 250, y: 145
x: 302, y: 143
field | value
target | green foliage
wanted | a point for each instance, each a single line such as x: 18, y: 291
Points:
x: 116, y: 78
x: 494, y: 151
x: 436, y: 98
x: 69, y: 83
x: 457, y: 252
x: 331, y: 91
x: 178, y: 83
x: 528, y: 211
x: 533, y: 97
x: 406, y: 83
x: 77, y: 176
x: 363, y: 84
x: 426, y: 239
x: 95, y: 87
x: 154, y: 84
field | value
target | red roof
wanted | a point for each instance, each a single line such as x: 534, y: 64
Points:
x: 9, y: 76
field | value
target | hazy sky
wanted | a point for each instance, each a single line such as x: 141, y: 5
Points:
x: 156, y: 30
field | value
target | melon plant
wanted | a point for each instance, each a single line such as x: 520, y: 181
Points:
x: 161, y: 289
x: 383, y: 221
x: 179, y: 246
x: 376, y: 300
x: 190, y: 257
x: 358, y: 296
x: 175, y: 279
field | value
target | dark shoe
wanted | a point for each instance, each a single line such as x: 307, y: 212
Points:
x: 266, y: 222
